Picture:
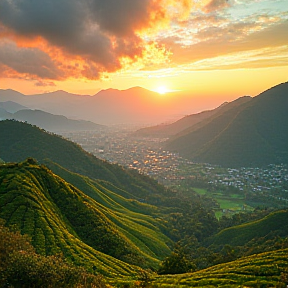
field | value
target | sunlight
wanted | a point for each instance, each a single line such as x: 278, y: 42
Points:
x: 162, y: 90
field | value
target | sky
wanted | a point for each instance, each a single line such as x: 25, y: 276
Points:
x: 209, y: 48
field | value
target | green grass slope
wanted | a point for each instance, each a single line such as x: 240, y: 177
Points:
x: 275, y: 223
x: 61, y: 218
x: 19, y: 141
x: 261, y: 270
x: 138, y: 221
x: 252, y: 134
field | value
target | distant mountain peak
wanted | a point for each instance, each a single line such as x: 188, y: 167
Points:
x: 138, y: 88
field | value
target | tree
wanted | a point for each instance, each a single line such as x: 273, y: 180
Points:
x: 21, y: 267
x: 176, y: 263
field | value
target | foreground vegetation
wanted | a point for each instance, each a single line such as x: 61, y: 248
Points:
x: 262, y: 270
x: 84, y: 224
x: 21, y: 266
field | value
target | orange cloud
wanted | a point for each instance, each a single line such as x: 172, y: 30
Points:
x: 57, y: 39
x: 215, y: 5
x: 232, y: 38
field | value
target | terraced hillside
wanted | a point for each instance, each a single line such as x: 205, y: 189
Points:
x: 61, y: 218
x: 268, y: 269
x: 274, y: 224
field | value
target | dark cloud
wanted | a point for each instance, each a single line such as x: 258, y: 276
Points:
x: 98, y: 31
x: 121, y: 18
x: 41, y: 83
x: 28, y: 60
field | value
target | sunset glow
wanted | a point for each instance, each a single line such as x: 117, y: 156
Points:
x: 211, y: 47
x: 162, y: 90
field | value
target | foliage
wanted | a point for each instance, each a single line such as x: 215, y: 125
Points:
x: 21, y: 267
x: 262, y: 270
x: 266, y: 234
x: 60, y: 218
x: 242, y: 234
x: 176, y: 263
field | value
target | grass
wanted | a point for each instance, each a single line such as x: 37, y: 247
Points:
x: 261, y: 270
x: 230, y: 202
x: 62, y: 219
x: 200, y: 191
x: 274, y: 223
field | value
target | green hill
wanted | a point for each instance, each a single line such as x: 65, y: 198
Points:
x: 262, y: 270
x: 275, y: 224
x: 61, y: 218
x: 21, y: 140
x: 251, y: 134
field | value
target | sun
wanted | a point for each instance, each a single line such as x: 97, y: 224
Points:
x: 162, y: 90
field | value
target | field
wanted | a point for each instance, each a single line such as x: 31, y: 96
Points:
x: 228, y: 203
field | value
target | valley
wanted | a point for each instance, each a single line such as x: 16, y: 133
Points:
x: 129, y: 212
x: 234, y: 189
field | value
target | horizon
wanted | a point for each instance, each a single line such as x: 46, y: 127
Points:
x: 210, y: 48
x: 142, y: 106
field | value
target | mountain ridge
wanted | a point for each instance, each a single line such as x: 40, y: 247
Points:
x: 135, y: 105
x: 251, y: 134
x: 114, y: 231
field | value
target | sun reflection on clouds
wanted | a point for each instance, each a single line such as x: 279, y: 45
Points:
x: 151, y: 39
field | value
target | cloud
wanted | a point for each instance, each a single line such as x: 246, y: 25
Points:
x: 219, y: 41
x: 215, y: 5
x: 41, y: 83
x: 95, y: 32
x: 27, y: 60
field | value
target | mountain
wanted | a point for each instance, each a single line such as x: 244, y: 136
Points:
x: 183, y: 124
x: 273, y: 225
x: 110, y: 106
x: 4, y: 114
x: 57, y: 102
x: 131, y: 106
x: 54, y: 123
x: 11, y: 95
x: 61, y: 218
x: 45, y: 120
x: 11, y: 106
x: 19, y: 141
x: 251, y: 134
x: 261, y: 270
x: 167, y: 130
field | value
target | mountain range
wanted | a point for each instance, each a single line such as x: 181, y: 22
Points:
x: 45, y: 120
x: 251, y: 134
x: 11, y: 107
x: 132, y: 106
